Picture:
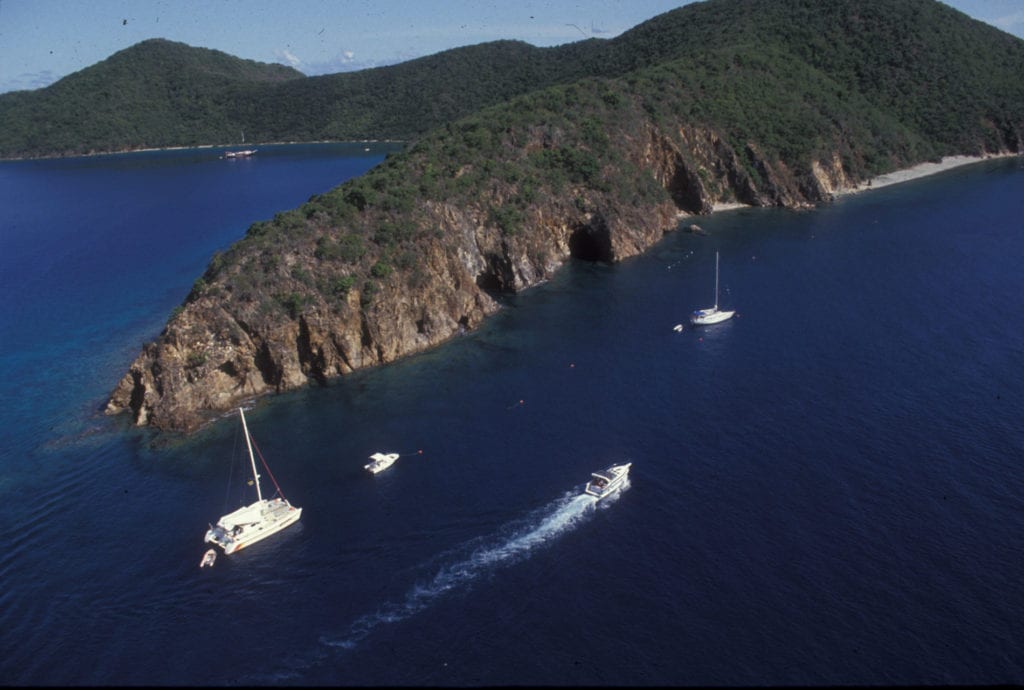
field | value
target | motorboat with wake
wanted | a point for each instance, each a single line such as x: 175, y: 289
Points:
x: 607, y: 482
x: 249, y: 524
x: 380, y: 462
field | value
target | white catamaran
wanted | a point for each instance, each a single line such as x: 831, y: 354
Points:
x: 704, y: 317
x: 256, y: 521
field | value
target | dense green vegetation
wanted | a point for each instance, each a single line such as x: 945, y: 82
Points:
x: 570, y: 141
x: 156, y: 94
x: 906, y: 73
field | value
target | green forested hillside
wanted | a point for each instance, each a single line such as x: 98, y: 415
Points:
x: 155, y: 94
x: 916, y: 64
x: 784, y: 85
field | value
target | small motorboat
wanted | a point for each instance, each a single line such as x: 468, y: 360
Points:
x: 208, y: 559
x: 381, y: 461
x: 607, y: 481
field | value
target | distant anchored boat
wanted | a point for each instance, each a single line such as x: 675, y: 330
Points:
x: 245, y: 153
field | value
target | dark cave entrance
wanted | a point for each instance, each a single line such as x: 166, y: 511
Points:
x: 590, y: 243
x: 498, y: 277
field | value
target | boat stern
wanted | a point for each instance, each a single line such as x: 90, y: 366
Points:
x: 607, y: 482
x: 220, y: 537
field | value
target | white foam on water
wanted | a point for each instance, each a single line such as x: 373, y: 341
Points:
x: 514, y: 543
x: 548, y: 524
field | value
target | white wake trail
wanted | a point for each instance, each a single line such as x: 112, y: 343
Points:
x: 512, y: 544
x: 552, y: 521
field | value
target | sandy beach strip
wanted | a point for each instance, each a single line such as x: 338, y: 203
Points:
x: 895, y: 177
x: 917, y: 171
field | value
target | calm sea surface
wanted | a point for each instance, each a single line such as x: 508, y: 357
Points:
x: 827, y: 489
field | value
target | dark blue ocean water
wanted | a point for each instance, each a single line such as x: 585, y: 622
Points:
x: 827, y: 489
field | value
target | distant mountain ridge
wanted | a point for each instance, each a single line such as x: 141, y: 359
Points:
x: 155, y: 94
x: 160, y: 94
x: 760, y: 102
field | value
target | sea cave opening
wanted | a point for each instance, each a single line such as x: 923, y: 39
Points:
x: 590, y: 243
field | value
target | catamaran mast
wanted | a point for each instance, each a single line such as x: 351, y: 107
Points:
x: 252, y: 458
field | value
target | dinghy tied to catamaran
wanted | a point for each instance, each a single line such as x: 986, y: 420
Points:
x: 209, y: 558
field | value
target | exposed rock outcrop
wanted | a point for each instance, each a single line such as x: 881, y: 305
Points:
x: 214, y: 353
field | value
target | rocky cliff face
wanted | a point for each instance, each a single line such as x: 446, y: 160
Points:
x: 226, y: 344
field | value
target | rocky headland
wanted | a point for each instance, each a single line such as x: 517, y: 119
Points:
x: 286, y: 308
x: 248, y: 329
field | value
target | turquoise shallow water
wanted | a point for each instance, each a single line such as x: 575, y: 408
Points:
x: 826, y: 489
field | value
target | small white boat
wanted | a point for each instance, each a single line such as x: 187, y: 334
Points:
x: 608, y: 481
x: 208, y: 558
x: 240, y: 154
x: 381, y: 461
x: 256, y: 521
x: 705, y: 317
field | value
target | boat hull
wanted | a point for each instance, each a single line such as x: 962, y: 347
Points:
x: 706, y: 317
x: 604, y: 484
x: 275, y: 515
x: 381, y: 462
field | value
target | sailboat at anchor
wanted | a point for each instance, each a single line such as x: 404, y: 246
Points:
x: 244, y: 153
x: 249, y: 524
x: 704, y: 317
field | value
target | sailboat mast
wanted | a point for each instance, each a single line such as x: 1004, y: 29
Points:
x: 716, y: 281
x: 252, y: 458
